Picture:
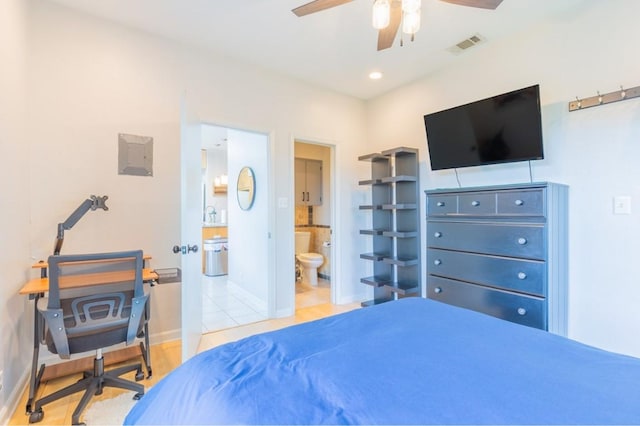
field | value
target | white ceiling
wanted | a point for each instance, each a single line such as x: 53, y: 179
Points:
x: 335, y: 48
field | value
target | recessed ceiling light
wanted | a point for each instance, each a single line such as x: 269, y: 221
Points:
x: 375, y: 75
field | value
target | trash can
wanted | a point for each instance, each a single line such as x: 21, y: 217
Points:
x: 216, y: 255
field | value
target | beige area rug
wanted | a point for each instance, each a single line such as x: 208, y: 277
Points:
x: 109, y: 412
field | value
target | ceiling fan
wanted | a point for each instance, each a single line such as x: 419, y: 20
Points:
x: 393, y: 13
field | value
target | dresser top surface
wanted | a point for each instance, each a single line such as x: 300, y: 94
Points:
x: 515, y: 186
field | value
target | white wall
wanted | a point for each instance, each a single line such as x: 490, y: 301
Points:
x: 90, y: 80
x: 14, y: 202
x: 594, y: 151
x: 248, y: 240
x: 216, y: 166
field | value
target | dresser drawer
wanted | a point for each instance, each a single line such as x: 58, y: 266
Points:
x: 521, y: 203
x: 520, y: 241
x: 441, y: 205
x: 512, y: 307
x: 477, y: 203
x: 526, y: 276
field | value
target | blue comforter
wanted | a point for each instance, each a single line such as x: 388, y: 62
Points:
x: 413, y: 361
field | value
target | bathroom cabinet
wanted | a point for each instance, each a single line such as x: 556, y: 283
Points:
x: 395, y: 225
x: 308, y: 182
x: 501, y: 250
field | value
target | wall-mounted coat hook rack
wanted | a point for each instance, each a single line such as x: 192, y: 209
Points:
x: 607, y: 98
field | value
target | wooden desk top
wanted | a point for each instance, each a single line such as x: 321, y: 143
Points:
x: 41, y: 285
x: 43, y: 265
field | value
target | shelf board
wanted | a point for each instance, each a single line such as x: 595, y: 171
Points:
x: 373, y: 157
x: 376, y: 281
x: 400, y: 151
x: 402, y: 288
x: 374, y: 256
x: 220, y: 189
x: 399, y: 178
x: 370, y: 182
x: 401, y: 261
x: 371, y: 207
x: 372, y: 231
x: 374, y: 302
x: 400, y: 234
x: 402, y: 206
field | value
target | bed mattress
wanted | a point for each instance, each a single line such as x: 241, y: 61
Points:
x: 411, y: 361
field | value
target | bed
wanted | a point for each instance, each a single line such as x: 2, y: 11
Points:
x: 449, y: 366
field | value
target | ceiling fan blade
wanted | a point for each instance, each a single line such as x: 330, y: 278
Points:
x: 317, y: 6
x: 386, y: 36
x: 483, y: 4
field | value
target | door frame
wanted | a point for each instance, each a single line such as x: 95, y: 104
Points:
x: 334, y: 259
x: 271, y: 225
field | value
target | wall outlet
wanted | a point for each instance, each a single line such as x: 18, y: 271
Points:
x: 622, y: 204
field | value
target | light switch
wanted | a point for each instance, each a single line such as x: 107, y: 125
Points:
x: 283, y: 202
x: 622, y: 204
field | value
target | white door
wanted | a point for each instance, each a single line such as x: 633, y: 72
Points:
x: 191, y: 218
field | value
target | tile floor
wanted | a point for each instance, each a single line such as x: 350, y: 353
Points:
x: 223, y: 306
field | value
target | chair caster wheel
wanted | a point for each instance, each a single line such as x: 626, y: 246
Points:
x: 80, y: 424
x: 36, y: 416
x: 139, y: 376
x: 137, y: 396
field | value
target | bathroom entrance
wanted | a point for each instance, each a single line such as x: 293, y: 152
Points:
x: 232, y: 293
x: 313, y: 223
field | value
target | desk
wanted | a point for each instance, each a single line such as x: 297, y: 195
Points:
x: 37, y: 287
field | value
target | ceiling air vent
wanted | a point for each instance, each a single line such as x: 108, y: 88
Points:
x: 466, y: 44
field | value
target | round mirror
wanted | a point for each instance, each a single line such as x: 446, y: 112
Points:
x: 246, y: 188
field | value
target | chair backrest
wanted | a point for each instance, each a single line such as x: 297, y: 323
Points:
x: 94, y: 301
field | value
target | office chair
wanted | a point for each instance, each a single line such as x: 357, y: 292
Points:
x: 94, y: 301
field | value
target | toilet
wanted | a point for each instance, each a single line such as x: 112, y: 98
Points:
x: 310, y: 262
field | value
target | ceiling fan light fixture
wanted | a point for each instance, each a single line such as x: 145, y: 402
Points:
x: 411, y: 6
x: 411, y: 22
x: 381, y: 14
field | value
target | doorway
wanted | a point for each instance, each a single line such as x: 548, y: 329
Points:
x: 313, y: 171
x: 233, y: 292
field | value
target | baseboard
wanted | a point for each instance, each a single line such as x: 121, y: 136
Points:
x: 287, y: 312
x: 14, y: 398
x: 259, y: 305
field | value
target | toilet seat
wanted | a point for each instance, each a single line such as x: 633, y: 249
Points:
x: 309, y: 257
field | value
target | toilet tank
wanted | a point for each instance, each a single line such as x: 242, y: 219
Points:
x: 302, y: 241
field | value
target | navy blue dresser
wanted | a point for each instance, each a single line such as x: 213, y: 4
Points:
x: 501, y: 250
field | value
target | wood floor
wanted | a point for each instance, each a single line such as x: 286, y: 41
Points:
x: 164, y: 358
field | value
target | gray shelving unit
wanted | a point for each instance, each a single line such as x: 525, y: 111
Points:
x: 395, y: 221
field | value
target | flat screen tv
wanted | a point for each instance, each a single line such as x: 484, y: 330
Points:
x: 501, y: 129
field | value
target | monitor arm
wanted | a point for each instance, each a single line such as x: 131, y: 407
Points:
x: 92, y: 203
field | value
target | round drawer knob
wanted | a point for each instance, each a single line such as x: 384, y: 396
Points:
x: 437, y: 290
x: 475, y: 203
x: 522, y: 275
x: 519, y: 202
x: 522, y: 241
x: 437, y: 234
x: 437, y: 262
x: 522, y: 311
x: 440, y: 204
